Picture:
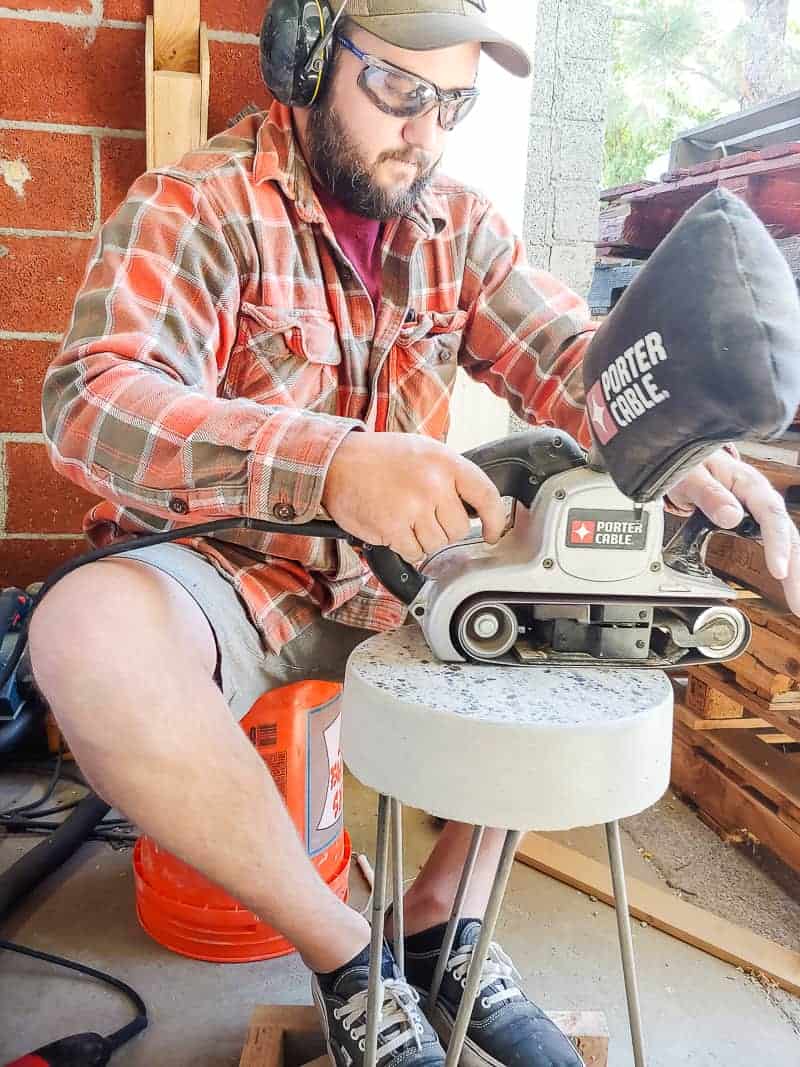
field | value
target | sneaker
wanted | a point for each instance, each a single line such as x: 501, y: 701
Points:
x: 506, y: 1029
x: 404, y: 1036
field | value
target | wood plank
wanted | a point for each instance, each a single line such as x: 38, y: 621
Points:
x: 778, y: 739
x: 697, y: 722
x: 774, y: 774
x: 708, y: 702
x: 279, y: 1035
x: 177, y: 103
x: 177, y: 35
x: 666, y: 912
x: 755, y: 671
x: 780, y: 718
x: 716, y: 793
x: 744, y: 560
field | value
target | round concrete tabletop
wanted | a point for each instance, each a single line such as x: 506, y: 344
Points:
x: 545, y: 748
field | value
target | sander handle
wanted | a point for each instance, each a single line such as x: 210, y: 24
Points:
x: 517, y: 465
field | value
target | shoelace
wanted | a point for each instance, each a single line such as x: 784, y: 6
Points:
x: 496, y: 967
x: 399, y: 1009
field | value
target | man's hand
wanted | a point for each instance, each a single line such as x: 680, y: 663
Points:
x: 408, y: 492
x: 720, y: 486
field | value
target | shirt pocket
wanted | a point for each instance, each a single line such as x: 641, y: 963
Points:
x: 425, y: 372
x: 285, y: 357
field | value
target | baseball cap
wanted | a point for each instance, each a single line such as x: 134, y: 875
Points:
x: 421, y: 25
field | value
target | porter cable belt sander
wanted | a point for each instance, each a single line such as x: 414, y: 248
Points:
x: 703, y: 349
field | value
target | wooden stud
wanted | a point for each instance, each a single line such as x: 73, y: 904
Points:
x: 697, y: 722
x: 280, y: 1036
x: 708, y: 702
x: 667, y: 912
x: 177, y: 81
x: 177, y: 35
x: 731, y: 805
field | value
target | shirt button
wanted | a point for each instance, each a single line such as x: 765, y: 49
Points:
x: 180, y: 507
x: 284, y: 512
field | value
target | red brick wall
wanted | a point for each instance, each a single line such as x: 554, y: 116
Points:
x: 71, y: 142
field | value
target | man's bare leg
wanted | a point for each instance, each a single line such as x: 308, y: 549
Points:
x: 126, y: 658
x: 429, y: 900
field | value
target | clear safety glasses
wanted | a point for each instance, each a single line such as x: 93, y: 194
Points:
x: 400, y: 93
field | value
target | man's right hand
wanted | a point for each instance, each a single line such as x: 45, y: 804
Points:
x: 408, y: 492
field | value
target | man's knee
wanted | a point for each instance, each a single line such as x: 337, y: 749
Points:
x: 116, y: 613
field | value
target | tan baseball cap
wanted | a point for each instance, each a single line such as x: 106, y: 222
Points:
x: 421, y: 25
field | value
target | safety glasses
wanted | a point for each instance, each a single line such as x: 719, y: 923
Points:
x: 400, y: 93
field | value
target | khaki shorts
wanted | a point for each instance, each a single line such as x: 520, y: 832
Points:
x: 244, y: 670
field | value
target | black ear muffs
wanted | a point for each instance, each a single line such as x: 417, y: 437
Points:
x: 290, y: 33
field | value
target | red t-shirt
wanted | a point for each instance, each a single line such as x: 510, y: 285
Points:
x: 358, y: 238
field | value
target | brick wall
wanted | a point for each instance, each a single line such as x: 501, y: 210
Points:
x: 71, y: 142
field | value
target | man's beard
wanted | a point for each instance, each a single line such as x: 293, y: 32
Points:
x: 337, y: 164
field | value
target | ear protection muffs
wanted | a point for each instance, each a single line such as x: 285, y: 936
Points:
x: 293, y: 64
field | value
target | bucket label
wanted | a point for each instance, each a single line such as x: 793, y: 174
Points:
x: 325, y: 783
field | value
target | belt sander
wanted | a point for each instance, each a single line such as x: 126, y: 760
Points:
x: 702, y: 349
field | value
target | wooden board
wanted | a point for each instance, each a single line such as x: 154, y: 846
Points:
x: 773, y: 774
x: 744, y: 560
x: 280, y: 1036
x: 780, y: 717
x: 731, y: 806
x: 709, y: 703
x: 667, y: 912
x: 697, y: 722
x: 177, y: 35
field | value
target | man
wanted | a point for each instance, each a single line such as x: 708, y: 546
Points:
x: 271, y: 329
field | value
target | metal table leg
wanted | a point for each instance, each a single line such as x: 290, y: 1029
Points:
x: 455, y: 915
x: 397, y: 892
x: 626, y: 941
x: 481, y: 950
x: 375, y: 987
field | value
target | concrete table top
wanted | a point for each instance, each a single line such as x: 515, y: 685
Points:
x: 546, y: 748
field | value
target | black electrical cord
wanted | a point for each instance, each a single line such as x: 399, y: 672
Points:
x: 309, y: 529
x: 125, y: 1033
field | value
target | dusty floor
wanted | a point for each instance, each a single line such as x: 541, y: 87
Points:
x: 697, y: 1010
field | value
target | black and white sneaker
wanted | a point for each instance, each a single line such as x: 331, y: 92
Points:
x: 506, y: 1029
x: 404, y: 1036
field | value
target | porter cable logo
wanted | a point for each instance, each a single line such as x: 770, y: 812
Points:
x: 606, y: 529
x: 627, y: 389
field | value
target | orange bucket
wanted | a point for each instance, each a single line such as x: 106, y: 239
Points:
x: 296, y: 731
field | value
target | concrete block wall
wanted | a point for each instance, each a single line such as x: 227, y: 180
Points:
x: 71, y: 142
x: 565, y: 151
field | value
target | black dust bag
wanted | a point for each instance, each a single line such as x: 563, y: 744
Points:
x: 703, y: 348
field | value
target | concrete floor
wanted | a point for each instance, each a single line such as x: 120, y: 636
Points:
x: 697, y: 1010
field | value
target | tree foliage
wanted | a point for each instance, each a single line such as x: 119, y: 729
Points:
x: 678, y: 64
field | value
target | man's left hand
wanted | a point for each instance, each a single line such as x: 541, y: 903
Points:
x: 721, y: 486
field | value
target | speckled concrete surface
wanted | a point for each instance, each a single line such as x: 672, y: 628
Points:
x: 698, y: 1011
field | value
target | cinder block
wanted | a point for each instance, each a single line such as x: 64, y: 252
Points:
x: 39, y: 499
x: 46, y: 181
x: 585, y: 29
x: 24, y: 364
x: 573, y: 264
x: 582, y: 91
x: 578, y: 152
x: 39, y: 277
x: 87, y: 77
x: 576, y: 212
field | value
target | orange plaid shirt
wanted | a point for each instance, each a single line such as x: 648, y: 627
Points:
x: 221, y: 347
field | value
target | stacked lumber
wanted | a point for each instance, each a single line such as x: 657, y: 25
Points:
x: 736, y: 742
x: 635, y: 218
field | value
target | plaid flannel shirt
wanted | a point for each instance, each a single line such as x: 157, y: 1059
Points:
x: 221, y: 347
